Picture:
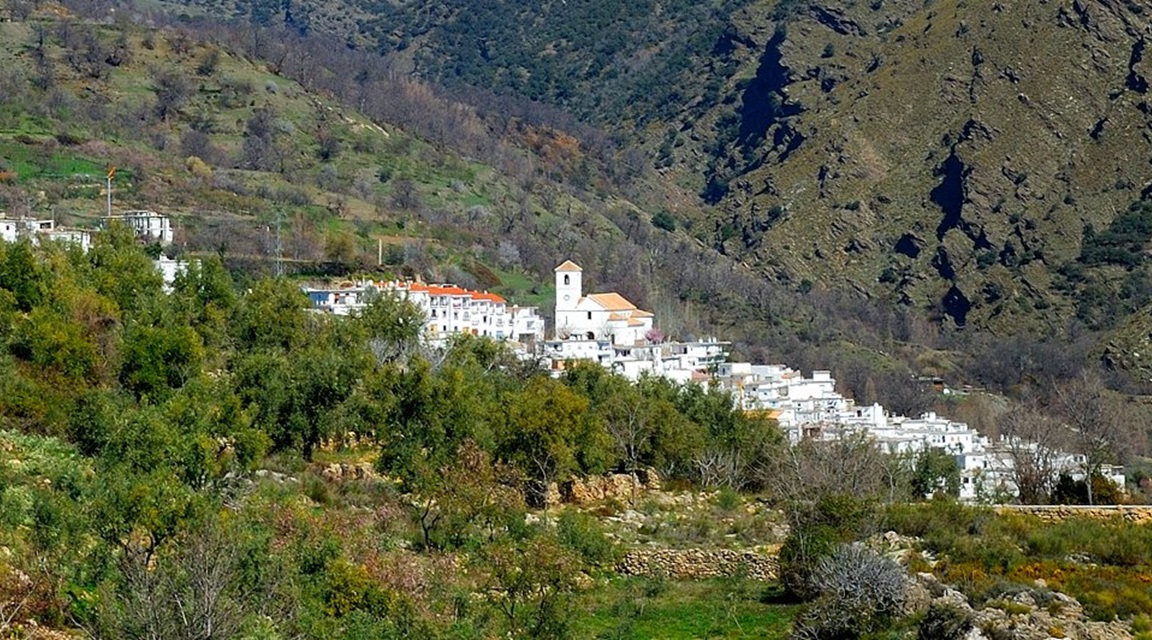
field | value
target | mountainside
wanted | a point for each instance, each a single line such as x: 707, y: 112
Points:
x: 613, y: 61
x: 872, y: 187
x: 262, y: 144
x: 948, y: 158
x: 943, y: 156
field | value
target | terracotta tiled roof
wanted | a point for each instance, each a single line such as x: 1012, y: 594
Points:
x: 568, y: 265
x: 446, y: 290
x: 491, y: 297
x: 640, y: 313
x: 617, y: 316
x: 612, y: 301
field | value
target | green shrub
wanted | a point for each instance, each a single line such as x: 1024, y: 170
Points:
x: 582, y: 534
x: 1123, y: 242
x: 727, y: 499
x: 817, y: 530
x: 664, y: 220
x: 945, y: 621
x: 936, y: 517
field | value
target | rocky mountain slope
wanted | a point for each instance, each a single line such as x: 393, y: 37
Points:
x: 946, y: 155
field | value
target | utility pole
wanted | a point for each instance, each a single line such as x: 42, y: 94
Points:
x: 279, y: 246
x: 111, y: 174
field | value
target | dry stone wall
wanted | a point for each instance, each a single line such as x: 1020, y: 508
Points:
x: 1138, y: 514
x: 697, y: 564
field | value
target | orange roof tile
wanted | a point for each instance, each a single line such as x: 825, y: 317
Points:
x: 640, y: 313
x: 490, y: 297
x: 635, y: 323
x: 446, y: 290
x: 568, y: 265
x: 616, y: 316
x: 611, y: 301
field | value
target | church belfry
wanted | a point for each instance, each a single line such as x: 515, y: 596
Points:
x: 569, y: 287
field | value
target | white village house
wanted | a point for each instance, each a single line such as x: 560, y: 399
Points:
x: 448, y: 309
x: 12, y: 229
x: 148, y: 225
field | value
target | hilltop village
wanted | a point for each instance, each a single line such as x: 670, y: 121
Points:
x: 608, y: 329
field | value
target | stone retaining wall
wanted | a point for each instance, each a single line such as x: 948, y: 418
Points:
x: 696, y: 564
x: 1139, y: 514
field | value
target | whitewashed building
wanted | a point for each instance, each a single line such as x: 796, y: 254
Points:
x: 597, y: 316
x: 169, y: 269
x: 610, y: 330
x: 448, y: 309
x: 38, y: 230
x: 148, y: 225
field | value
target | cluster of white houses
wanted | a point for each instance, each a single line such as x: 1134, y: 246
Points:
x: 148, y: 226
x: 600, y: 327
x: 608, y: 329
x: 448, y: 310
x: 812, y: 408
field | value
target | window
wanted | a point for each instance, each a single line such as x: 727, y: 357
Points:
x: 589, y: 315
x: 567, y: 281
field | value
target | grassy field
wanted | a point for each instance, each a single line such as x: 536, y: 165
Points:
x: 648, y: 608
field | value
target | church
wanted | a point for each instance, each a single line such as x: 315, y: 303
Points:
x: 598, y: 316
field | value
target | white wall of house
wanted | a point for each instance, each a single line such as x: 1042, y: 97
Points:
x: 149, y: 225
x: 448, y: 310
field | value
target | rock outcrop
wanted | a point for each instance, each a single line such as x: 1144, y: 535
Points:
x: 344, y: 472
x: 612, y: 486
x: 1029, y: 614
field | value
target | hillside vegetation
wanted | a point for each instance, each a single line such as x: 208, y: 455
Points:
x: 259, y: 146
x: 159, y: 470
x: 949, y: 159
x: 216, y: 461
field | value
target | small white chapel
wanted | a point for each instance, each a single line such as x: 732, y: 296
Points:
x: 598, y: 316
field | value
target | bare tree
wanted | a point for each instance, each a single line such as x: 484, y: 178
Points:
x: 719, y: 467
x: 1033, y: 442
x: 406, y: 196
x: 189, y: 593
x: 851, y: 465
x: 1098, y: 430
x: 173, y: 90
x: 627, y: 423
